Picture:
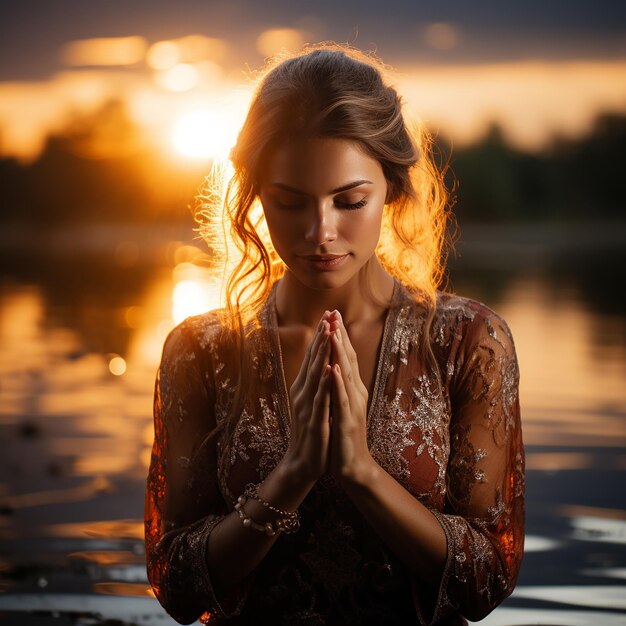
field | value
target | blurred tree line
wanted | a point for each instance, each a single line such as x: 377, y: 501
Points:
x: 572, y: 179
x: 100, y: 168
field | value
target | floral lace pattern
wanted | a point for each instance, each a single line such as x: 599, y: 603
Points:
x: 453, y: 440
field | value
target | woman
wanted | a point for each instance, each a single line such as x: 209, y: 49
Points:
x: 341, y: 443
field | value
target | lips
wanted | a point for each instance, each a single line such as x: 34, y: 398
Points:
x: 325, y: 262
x: 323, y: 257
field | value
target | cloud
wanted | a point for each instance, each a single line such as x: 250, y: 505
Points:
x: 106, y: 51
x: 274, y: 40
x: 531, y: 100
x: 441, y: 36
x: 29, y: 111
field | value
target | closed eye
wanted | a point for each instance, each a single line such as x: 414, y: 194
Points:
x: 288, y: 205
x: 342, y: 205
x: 357, y: 205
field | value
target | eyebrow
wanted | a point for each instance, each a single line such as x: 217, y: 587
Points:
x: 355, y: 183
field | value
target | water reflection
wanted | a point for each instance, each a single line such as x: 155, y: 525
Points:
x: 86, y: 491
x: 588, y: 596
x: 606, y: 530
x: 551, y: 617
x: 110, y: 557
x: 532, y: 543
x: 552, y: 461
x: 123, y: 589
x: 606, y: 572
x: 77, y: 370
x: 115, y: 530
x: 554, y: 340
x: 195, y: 291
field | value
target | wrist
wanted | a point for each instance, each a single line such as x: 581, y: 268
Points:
x: 361, y: 475
x: 286, y: 485
x: 296, y: 473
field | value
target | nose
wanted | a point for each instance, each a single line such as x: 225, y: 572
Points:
x: 321, y: 227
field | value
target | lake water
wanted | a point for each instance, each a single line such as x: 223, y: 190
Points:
x: 82, y: 323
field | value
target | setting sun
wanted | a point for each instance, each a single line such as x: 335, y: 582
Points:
x: 205, y: 133
x: 197, y: 135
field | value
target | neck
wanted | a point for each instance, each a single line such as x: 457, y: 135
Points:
x: 298, y: 304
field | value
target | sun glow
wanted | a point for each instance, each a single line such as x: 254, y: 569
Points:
x: 531, y: 100
x: 195, y: 291
x: 199, y: 135
x: 205, y: 133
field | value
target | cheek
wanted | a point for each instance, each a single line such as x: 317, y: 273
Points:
x: 279, y: 229
x: 364, y: 232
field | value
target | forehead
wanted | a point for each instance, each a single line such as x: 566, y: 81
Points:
x: 311, y: 164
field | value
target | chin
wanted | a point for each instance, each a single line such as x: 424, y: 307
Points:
x: 323, y: 280
x: 319, y: 281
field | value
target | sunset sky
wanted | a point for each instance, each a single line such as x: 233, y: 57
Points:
x: 537, y: 68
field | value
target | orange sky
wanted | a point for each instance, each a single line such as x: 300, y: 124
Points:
x: 179, y: 93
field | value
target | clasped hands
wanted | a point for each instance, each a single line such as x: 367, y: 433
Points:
x: 329, y: 406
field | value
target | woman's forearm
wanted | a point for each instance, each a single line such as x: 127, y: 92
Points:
x: 234, y: 550
x: 404, y: 523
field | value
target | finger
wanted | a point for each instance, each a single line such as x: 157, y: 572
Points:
x: 348, y: 347
x: 315, y: 343
x: 352, y: 356
x: 321, y: 401
x: 316, y: 367
x: 340, y: 399
x: 349, y: 377
x: 322, y: 344
x: 310, y: 354
x: 311, y: 348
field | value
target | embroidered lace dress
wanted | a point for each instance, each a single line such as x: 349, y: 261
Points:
x: 456, y: 446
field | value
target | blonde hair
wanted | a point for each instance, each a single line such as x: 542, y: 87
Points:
x: 327, y: 90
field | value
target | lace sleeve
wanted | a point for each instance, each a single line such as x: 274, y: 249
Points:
x: 183, y: 503
x: 484, y: 514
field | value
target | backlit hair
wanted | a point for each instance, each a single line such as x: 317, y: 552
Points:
x: 325, y: 90
x: 336, y: 91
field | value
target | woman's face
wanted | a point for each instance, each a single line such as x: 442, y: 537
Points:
x: 323, y: 201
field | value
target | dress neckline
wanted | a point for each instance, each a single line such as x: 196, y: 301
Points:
x: 271, y: 316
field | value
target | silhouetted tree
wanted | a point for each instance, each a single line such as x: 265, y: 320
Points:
x: 101, y: 168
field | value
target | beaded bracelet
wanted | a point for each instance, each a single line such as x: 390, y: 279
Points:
x: 248, y: 522
x: 252, y: 492
x: 288, y: 524
x: 285, y: 525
